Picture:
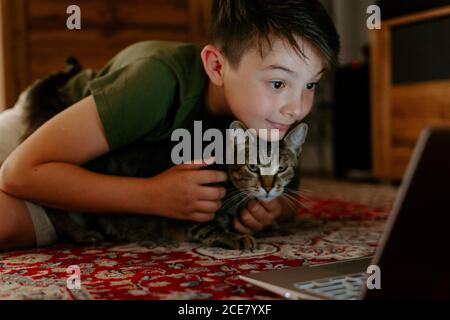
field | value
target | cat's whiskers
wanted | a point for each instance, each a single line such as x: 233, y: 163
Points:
x: 230, y: 199
x: 233, y: 205
x: 235, y: 190
x: 245, y: 199
x: 247, y: 189
x: 305, y: 190
x: 289, y: 202
x: 233, y: 195
x: 240, y: 193
x: 294, y: 203
x: 296, y: 200
x: 298, y: 193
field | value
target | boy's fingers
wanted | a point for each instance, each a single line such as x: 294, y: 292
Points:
x: 253, y: 204
x: 211, y: 193
x: 272, y: 207
x: 257, y: 207
x: 260, y: 214
x: 268, y: 205
x: 196, y: 164
x: 201, y: 217
x: 249, y: 221
x: 209, y: 207
x: 240, y: 228
x: 210, y: 176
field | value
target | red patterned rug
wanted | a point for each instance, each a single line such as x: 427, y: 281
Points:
x: 329, y: 230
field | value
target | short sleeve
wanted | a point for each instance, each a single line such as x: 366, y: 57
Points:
x: 134, y: 100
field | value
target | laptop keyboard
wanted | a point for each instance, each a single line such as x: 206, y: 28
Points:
x: 349, y: 287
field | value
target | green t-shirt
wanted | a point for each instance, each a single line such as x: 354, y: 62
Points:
x: 145, y: 91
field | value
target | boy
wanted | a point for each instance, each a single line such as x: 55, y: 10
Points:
x: 261, y: 67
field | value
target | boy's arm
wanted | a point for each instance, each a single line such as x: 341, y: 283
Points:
x: 46, y: 169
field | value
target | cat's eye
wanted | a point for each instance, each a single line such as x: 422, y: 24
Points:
x: 282, y: 167
x: 252, y: 167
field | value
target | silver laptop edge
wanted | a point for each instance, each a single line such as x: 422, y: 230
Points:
x: 400, y: 196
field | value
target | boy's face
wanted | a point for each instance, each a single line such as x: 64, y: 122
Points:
x: 275, y: 91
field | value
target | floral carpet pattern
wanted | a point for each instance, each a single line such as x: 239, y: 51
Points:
x: 325, y: 230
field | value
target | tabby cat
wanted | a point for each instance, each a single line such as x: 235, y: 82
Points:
x: 139, y: 159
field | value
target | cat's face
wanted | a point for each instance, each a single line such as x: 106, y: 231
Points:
x: 266, y: 182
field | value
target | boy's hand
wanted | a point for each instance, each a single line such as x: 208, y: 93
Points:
x: 257, y: 216
x: 182, y: 194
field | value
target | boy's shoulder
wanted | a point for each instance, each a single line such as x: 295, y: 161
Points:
x: 179, y: 56
x: 148, y: 89
x: 168, y: 76
x: 178, y: 63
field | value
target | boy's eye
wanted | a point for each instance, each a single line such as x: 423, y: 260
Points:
x: 277, y: 85
x: 312, y: 85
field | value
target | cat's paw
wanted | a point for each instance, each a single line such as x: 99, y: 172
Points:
x: 271, y: 230
x: 235, y: 241
x: 245, y: 242
x: 91, y: 237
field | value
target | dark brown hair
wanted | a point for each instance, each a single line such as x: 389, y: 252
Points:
x: 239, y: 25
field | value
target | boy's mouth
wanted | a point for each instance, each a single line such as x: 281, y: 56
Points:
x: 279, y: 126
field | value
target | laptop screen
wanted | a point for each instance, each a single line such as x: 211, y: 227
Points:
x: 413, y: 255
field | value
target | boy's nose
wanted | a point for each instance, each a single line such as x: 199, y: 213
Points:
x: 297, y: 105
x: 293, y: 110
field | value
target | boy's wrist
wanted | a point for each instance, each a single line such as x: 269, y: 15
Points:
x: 146, y: 200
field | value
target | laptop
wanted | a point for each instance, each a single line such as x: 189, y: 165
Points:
x: 412, y: 259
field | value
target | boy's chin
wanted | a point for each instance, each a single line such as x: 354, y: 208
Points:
x: 266, y: 133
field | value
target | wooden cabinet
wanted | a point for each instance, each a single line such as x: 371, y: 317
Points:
x: 410, y: 86
x: 36, y: 39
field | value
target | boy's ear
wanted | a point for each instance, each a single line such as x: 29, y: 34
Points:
x: 295, y: 138
x: 213, y: 63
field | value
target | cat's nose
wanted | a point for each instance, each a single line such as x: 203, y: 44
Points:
x: 267, y: 183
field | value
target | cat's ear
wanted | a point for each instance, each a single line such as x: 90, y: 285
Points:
x: 246, y: 137
x: 252, y: 134
x: 295, y: 138
x: 238, y: 125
